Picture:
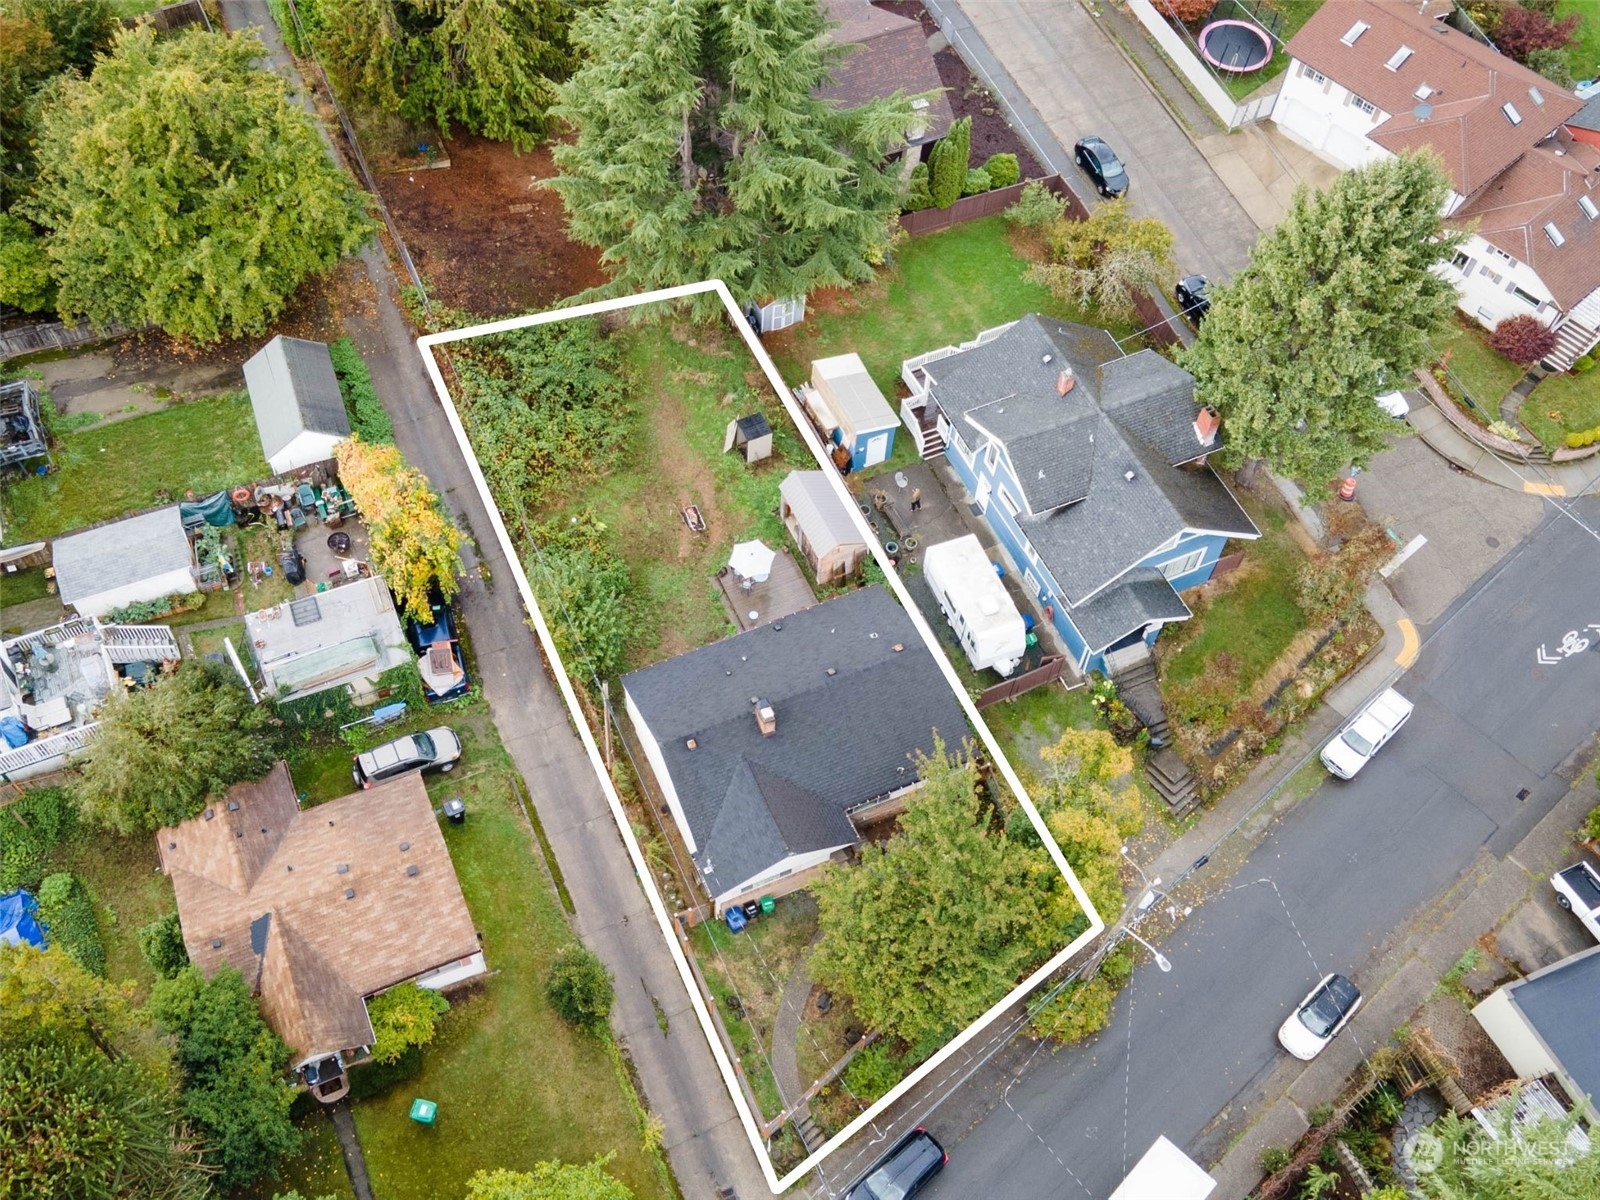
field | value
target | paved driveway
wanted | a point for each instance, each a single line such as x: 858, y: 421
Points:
x: 1077, y: 81
x: 1339, y: 878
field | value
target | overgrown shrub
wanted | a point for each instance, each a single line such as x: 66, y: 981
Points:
x: 1187, y: 11
x: 143, y: 611
x: 1004, y: 170
x: 1553, y: 65
x: 1583, y: 363
x: 545, y: 407
x: 373, y: 1078
x: 1591, y: 823
x: 1522, y: 339
x: 1584, y: 437
x: 67, y: 913
x: 583, y: 586
x: 977, y: 182
x: 1037, y: 208
x: 29, y: 829
x: 873, y: 1072
x: 361, y: 404
x: 1082, y: 1008
x: 404, y: 1016
x: 1116, y: 968
x: 161, y: 946
x: 1274, y: 1159
x: 579, y: 988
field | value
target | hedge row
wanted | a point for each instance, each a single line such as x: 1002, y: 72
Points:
x: 366, y: 412
x: 30, y: 828
x: 67, y: 913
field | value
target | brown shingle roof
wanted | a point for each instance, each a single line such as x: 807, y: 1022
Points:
x: 324, y: 952
x: 1471, y: 82
x: 884, y: 53
x: 1543, y: 188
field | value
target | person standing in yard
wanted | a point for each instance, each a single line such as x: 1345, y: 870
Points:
x: 916, y: 499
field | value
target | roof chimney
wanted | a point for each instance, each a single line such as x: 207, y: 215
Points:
x: 1206, y: 423
x: 766, y: 719
x: 1065, y: 381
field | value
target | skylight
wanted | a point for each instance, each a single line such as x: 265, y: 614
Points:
x: 1511, y: 113
x: 1354, y: 32
x: 1536, y: 96
x: 1398, y: 58
x: 1423, y: 92
x: 1554, y: 234
x: 1589, y: 210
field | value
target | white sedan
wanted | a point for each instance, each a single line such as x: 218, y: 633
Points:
x: 1320, y: 1017
x: 1374, y: 725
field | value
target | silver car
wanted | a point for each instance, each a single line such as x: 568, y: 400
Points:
x: 437, y: 750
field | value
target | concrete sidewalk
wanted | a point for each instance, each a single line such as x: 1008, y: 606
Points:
x: 1533, y: 479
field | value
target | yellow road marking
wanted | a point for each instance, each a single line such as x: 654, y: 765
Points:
x: 1543, y: 489
x: 1411, y: 644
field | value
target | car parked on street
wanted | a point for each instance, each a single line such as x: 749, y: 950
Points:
x: 438, y: 648
x: 1320, y: 1017
x: 1193, y: 302
x: 904, y: 1171
x: 1578, y: 891
x: 1365, y: 735
x: 437, y: 750
x: 1101, y: 164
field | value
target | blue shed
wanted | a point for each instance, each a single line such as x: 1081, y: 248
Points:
x: 865, y: 423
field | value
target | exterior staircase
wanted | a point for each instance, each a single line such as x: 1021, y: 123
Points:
x: 1133, y: 670
x: 1574, y: 339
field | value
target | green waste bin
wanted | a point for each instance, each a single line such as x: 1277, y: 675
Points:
x: 423, y: 1111
x: 767, y: 905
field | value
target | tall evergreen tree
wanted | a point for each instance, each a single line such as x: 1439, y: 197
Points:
x: 947, y: 168
x: 702, y: 152
x: 1334, y: 308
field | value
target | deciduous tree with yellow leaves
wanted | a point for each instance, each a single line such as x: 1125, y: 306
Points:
x: 413, y: 543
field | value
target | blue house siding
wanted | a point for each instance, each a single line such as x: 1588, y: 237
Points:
x: 1211, y: 544
x: 860, y: 441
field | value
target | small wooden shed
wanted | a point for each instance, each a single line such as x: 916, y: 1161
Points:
x: 751, y: 436
x: 821, y: 526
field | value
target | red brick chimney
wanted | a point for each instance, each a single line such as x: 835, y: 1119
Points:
x: 1065, y: 381
x: 1206, y: 424
x: 766, y: 719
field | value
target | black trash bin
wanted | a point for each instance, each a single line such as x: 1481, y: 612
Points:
x: 294, y: 565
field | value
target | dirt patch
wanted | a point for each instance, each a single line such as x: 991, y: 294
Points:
x: 969, y: 98
x: 484, y: 236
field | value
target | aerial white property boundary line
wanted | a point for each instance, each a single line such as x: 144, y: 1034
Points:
x: 625, y: 828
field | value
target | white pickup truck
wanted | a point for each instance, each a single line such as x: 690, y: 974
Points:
x: 1578, y: 891
x: 1366, y: 733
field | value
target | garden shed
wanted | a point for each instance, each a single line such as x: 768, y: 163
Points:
x: 298, y: 407
x: 866, y: 423
x: 751, y: 436
x: 821, y: 525
x: 123, y: 562
x: 22, y: 434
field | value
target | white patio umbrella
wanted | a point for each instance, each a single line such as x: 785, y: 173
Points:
x: 752, y: 560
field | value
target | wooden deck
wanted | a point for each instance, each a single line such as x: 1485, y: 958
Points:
x: 784, y: 592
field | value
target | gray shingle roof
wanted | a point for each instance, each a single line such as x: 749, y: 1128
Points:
x: 293, y: 389
x: 821, y: 514
x: 841, y: 740
x: 1559, y: 1002
x: 120, y: 553
x: 1139, y: 597
x: 1087, y: 519
x: 1587, y: 117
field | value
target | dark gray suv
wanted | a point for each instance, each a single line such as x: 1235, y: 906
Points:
x: 904, y: 1171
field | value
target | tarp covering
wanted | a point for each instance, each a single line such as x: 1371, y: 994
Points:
x: 216, y: 509
x: 18, y: 922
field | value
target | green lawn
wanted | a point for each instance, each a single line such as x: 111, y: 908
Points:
x: 1037, y: 719
x: 1482, y: 371
x: 126, y: 466
x: 514, y: 1085
x: 1583, y: 56
x: 128, y: 892
x: 19, y: 587
x: 1254, y: 620
x: 317, y: 1171
x: 1563, y: 404
x: 943, y: 289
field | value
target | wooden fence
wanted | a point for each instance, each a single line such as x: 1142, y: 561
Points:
x: 172, y: 17
x: 1047, y: 672
x: 53, y: 335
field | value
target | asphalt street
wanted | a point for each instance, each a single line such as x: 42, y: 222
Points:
x: 1062, y: 67
x: 1506, y: 689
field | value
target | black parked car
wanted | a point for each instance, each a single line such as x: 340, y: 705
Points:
x: 1101, y: 164
x: 904, y: 1171
x: 1193, y: 302
x: 438, y: 647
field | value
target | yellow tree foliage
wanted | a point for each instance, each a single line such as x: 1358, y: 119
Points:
x: 414, y: 544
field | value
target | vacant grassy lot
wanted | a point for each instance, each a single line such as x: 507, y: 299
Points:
x: 1037, y: 719
x: 1482, y: 371
x: 1252, y: 615
x: 514, y: 1084
x: 1563, y: 404
x: 942, y: 290
x: 127, y: 466
x: 1583, y: 56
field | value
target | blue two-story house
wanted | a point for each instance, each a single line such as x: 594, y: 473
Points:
x: 1090, y: 467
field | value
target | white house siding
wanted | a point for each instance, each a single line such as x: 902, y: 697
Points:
x: 177, y: 582
x: 1506, y: 1027
x: 305, y: 449
x: 1323, y: 116
x: 1494, y: 286
x: 453, y: 972
x: 658, y: 767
